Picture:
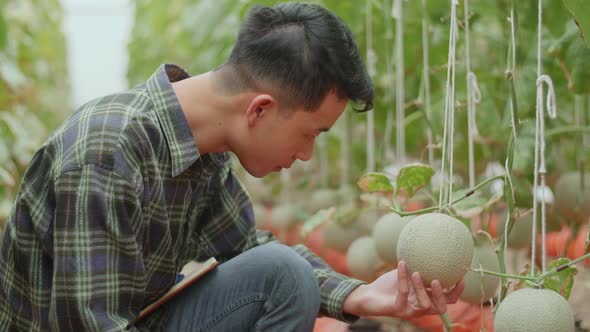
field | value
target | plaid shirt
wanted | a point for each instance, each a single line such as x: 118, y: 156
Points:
x: 113, y: 205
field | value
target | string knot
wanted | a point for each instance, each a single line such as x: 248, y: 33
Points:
x: 551, y: 105
x: 472, y: 81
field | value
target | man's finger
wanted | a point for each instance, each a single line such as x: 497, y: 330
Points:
x: 454, y: 294
x: 439, y: 299
x: 421, y: 294
x: 403, y: 288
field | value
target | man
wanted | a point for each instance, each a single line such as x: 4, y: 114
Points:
x: 134, y: 185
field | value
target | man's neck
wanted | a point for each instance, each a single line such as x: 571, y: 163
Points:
x: 210, y: 115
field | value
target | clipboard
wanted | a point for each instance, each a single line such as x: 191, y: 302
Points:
x: 190, y: 273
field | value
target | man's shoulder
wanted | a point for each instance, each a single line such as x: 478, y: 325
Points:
x: 106, y: 131
x: 125, y: 103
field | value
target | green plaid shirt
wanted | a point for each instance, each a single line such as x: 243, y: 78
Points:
x: 113, y: 204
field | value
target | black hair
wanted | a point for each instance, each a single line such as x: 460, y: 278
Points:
x: 302, y: 52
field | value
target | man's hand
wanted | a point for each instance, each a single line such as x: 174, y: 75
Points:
x: 396, y: 294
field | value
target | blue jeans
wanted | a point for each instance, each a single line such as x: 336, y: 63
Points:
x: 267, y: 288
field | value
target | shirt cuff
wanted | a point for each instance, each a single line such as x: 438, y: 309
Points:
x: 333, y: 292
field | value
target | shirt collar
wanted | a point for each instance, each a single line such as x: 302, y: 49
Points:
x: 180, y: 140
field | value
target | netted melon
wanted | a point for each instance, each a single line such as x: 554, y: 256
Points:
x: 438, y: 246
x: 362, y: 258
x: 386, y: 234
x: 481, y: 287
x: 534, y: 310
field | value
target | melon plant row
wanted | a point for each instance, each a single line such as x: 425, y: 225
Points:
x: 34, y: 87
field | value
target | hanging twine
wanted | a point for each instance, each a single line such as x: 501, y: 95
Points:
x: 449, y: 124
x: 473, y: 97
x: 345, y: 151
x: 513, y: 73
x: 426, y: 73
x: 397, y: 14
x: 371, y: 67
x: 512, y: 64
x: 540, y: 164
x: 389, y: 155
x: 323, y: 147
x: 285, y: 179
x: 540, y: 167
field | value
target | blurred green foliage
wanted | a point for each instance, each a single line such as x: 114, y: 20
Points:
x: 198, y: 35
x: 33, y: 86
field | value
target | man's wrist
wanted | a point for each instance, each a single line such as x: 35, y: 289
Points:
x: 355, y: 301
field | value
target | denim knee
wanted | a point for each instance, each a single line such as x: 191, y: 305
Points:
x: 294, y: 276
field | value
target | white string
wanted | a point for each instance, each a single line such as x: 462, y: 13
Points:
x: 508, y: 214
x: 426, y: 73
x: 323, y: 147
x: 285, y: 179
x: 449, y: 126
x: 513, y: 40
x: 345, y: 151
x: 540, y: 167
x: 586, y: 136
x: 513, y: 66
x: 473, y: 97
x: 539, y: 26
x: 371, y: 67
x: 397, y: 13
x: 540, y: 164
x: 389, y: 155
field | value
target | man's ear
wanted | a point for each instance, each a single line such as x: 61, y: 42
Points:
x: 260, y: 107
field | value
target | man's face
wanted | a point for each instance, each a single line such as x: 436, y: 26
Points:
x: 277, y: 141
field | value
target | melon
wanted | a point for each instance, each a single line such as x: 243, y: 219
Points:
x: 438, y: 246
x: 368, y: 217
x: 572, y: 198
x: 386, y: 234
x: 521, y: 233
x: 339, y: 237
x: 322, y: 199
x: 285, y: 216
x: 347, y: 194
x: 481, y: 287
x: 534, y: 310
x: 362, y: 258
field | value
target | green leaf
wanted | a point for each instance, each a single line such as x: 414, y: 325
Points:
x: 579, y: 57
x: 470, y: 206
x: 412, y: 178
x: 375, y: 182
x: 315, y: 221
x: 580, y: 10
x: 563, y: 281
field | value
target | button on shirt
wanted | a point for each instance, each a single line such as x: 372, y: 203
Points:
x: 111, y: 207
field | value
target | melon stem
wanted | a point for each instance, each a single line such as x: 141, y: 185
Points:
x: 446, y: 322
x: 448, y: 206
x: 538, y: 279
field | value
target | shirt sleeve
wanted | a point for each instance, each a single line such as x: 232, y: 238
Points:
x: 334, y: 287
x: 98, y: 272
